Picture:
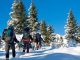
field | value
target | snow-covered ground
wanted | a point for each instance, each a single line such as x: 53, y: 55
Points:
x: 46, y: 53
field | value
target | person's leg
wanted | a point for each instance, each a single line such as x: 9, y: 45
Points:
x: 24, y: 47
x: 7, y: 47
x: 13, y: 50
x: 37, y: 46
x: 28, y: 46
x: 40, y: 44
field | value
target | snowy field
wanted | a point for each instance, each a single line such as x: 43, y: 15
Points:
x: 46, y: 53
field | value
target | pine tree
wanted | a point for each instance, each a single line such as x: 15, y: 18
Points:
x: 71, y: 27
x: 43, y: 28
x: 78, y: 34
x: 49, y: 33
x: 49, y: 30
x: 33, y: 20
x: 18, y: 16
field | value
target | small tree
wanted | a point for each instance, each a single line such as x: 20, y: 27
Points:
x: 44, y: 32
x: 43, y: 28
x: 78, y: 34
x: 71, y: 27
x: 49, y: 32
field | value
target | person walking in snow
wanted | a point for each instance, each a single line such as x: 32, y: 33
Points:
x: 38, y: 39
x: 26, y: 39
x: 9, y: 37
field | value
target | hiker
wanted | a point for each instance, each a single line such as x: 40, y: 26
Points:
x: 9, y: 37
x: 39, y: 40
x: 26, y: 39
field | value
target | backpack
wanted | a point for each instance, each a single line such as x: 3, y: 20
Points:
x: 4, y: 34
x: 9, y: 36
x: 26, y: 37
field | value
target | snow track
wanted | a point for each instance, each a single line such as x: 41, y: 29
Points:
x: 46, y: 53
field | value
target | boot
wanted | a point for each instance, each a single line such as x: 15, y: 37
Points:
x: 23, y: 50
x: 7, y: 55
x: 27, y: 50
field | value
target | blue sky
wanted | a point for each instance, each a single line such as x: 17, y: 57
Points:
x: 54, y: 12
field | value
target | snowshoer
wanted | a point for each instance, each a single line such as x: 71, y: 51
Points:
x: 9, y: 38
x: 38, y: 39
x: 26, y: 39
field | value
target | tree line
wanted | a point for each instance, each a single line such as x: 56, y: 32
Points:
x: 20, y: 19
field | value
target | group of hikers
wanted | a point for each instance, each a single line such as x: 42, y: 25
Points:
x: 28, y: 40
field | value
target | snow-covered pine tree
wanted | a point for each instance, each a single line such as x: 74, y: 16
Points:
x: 19, y: 16
x: 43, y: 28
x: 78, y: 34
x: 71, y: 26
x: 33, y: 20
x: 71, y: 29
x: 49, y: 32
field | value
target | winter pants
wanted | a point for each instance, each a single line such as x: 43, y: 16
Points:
x: 26, y: 46
x: 7, y: 48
